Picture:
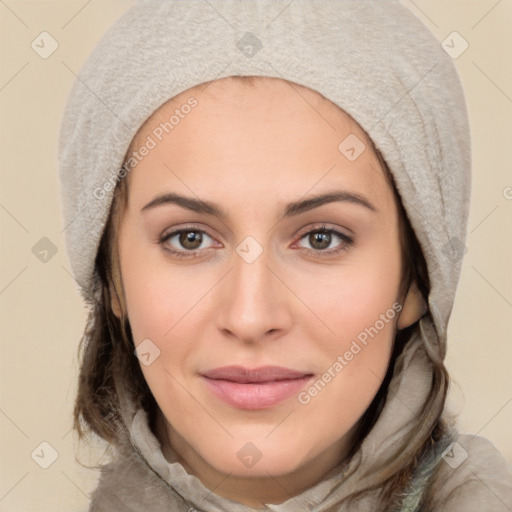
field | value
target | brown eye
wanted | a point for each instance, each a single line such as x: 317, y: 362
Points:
x: 185, y: 242
x: 320, y: 239
x: 190, y: 239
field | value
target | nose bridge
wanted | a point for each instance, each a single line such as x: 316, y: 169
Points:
x: 253, y: 305
x: 251, y: 280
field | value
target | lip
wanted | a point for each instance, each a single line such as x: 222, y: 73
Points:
x: 255, y: 388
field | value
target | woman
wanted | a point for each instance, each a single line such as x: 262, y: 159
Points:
x: 269, y: 201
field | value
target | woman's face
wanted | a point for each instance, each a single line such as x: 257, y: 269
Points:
x: 266, y: 326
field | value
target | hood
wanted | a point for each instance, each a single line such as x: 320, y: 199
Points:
x: 373, y: 59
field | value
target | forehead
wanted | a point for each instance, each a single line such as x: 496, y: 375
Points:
x: 262, y: 99
x: 254, y: 138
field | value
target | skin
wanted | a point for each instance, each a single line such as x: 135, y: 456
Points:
x: 252, y: 149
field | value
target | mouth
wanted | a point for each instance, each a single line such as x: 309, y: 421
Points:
x: 257, y: 388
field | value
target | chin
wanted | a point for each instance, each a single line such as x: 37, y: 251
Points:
x: 256, y: 457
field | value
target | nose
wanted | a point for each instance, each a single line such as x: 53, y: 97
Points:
x: 255, y: 302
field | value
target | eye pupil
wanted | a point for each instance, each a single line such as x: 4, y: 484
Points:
x: 189, y: 237
x: 323, y: 237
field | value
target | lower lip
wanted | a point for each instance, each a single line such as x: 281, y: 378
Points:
x: 256, y: 396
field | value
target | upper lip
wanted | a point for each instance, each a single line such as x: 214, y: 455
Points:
x: 253, y: 375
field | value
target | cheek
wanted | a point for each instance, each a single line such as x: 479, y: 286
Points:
x: 161, y: 305
x: 352, y: 364
x: 156, y: 299
x: 157, y: 307
x: 148, y: 308
x: 359, y: 304
x: 355, y: 295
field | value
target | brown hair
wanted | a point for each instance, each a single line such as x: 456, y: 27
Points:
x: 109, y: 368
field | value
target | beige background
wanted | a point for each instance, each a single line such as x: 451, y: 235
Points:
x: 42, y: 314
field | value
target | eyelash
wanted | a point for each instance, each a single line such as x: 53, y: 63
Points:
x: 347, y: 241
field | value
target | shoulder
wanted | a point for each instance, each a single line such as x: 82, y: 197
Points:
x: 473, y: 476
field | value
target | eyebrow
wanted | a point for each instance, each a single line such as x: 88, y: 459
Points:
x: 290, y: 210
